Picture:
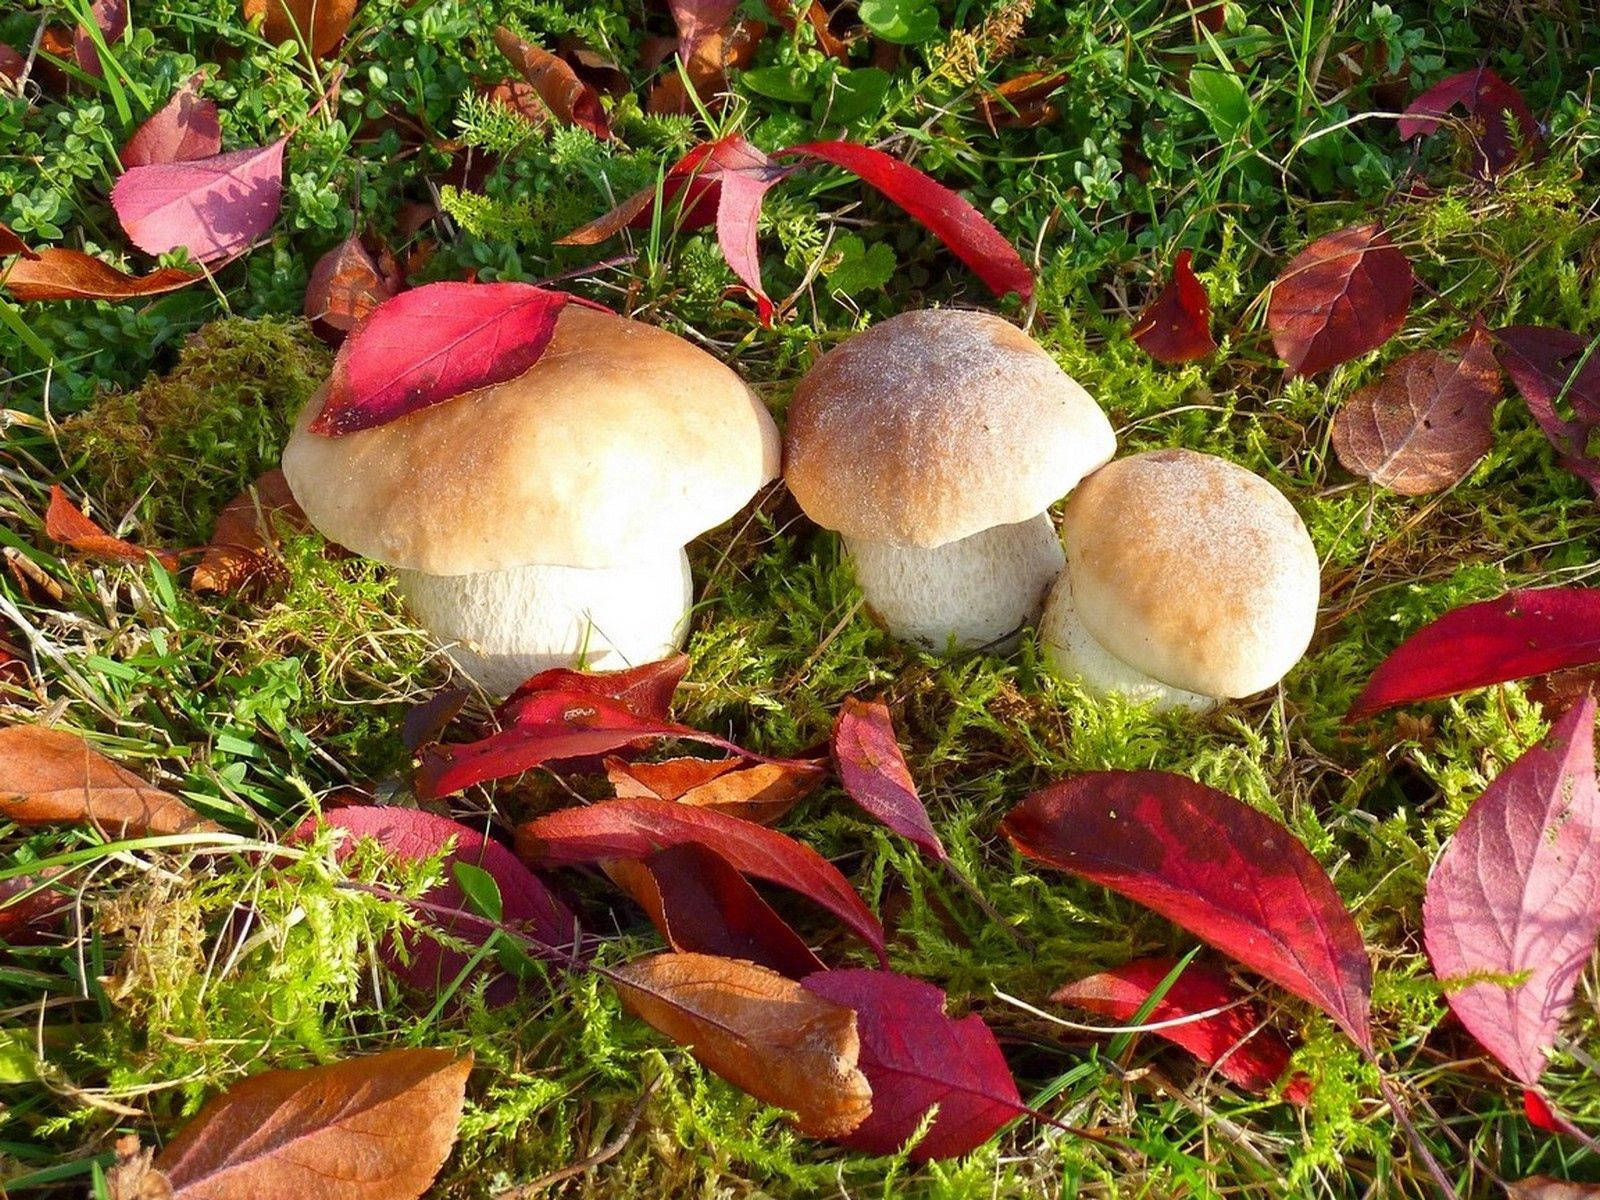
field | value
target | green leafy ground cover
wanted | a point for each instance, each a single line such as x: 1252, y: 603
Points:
x: 192, y: 965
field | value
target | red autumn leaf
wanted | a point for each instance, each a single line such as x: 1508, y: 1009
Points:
x: 948, y: 216
x: 111, y: 18
x: 30, y: 909
x: 557, y: 85
x: 639, y: 827
x: 11, y: 244
x: 1212, y: 864
x: 1539, y: 1113
x: 875, y: 775
x: 1544, y: 364
x: 915, y: 1057
x: 1213, y: 14
x: 213, y: 207
x: 12, y: 67
x: 59, y: 274
x: 414, y: 836
x: 1176, y: 327
x: 425, y: 722
x: 1525, y: 632
x: 321, y: 24
x: 743, y: 176
x: 698, y: 18
x: 688, y: 183
x: 1427, y: 421
x: 645, y: 690
x: 1343, y: 295
x: 346, y: 285
x: 1493, y: 106
x: 66, y: 523
x: 702, y: 905
x: 186, y: 128
x: 1233, y: 1041
x: 1513, y: 905
x: 239, y: 552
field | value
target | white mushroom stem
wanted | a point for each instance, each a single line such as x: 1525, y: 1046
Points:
x: 501, y: 627
x: 1072, y: 652
x: 978, y: 591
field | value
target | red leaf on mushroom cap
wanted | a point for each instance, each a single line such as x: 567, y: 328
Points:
x: 1548, y: 366
x: 65, y: 522
x: 915, y: 1056
x: 213, y: 207
x: 1492, y: 103
x: 1212, y: 864
x: 1233, y: 1041
x: 56, y: 273
x: 1525, y: 632
x: 638, y: 827
x: 1176, y: 327
x: 875, y: 775
x: 1513, y: 905
x: 1345, y: 294
x: 186, y: 128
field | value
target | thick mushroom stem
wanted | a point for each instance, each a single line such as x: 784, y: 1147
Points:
x: 978, y: 591
x: 1072, y: 652
x: 501, y: 627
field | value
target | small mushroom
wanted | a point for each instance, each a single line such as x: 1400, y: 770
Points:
x: 541, y: 522
x: 934, y: 442
x: 1189, y: 579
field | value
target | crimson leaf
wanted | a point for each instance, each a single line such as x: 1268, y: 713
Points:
x: 1176, y: 327
x: 1343, y: 295
x: 875, y: 775
x: 1492, y: 103
x: 1548, y: 366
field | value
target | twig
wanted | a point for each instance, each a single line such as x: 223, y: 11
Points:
x: 605, y: 1154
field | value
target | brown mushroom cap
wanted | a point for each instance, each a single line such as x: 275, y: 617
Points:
x: 934, y: 425
x: 622, y: 439
x: 1192, y: 570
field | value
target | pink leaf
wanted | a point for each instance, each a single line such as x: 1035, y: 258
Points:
x: 1523, y: 633
x: 1176, y: 328
x: 1234, y: 1041
x: 432, y: 344
x: 111, y: 16
x: 1345, y: 294
x: 875, y: 775
x: 413, y: 836
x: 1212, y: 864
x: 637, y: 827
x: 945, y: 214
x: 186, y: 128
x: 743, y: 175
x: 1516, y: 896
x: 214, y: 207
x: 915, y: 1056
x: 1544, y: 364
x: 1492, y: 103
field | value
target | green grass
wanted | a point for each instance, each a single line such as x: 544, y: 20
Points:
x: 193, y: 964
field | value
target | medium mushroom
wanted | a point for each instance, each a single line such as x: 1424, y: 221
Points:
x: 934, y: 443
x: 541, y: 522
x: 1189, y: 579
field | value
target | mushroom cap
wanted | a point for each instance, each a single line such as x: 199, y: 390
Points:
x: 622, y: 440
x: 1192, y: 570
x: 934, y: 425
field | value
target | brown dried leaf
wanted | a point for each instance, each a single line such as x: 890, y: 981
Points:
x: 1547, y: 1187
x: 714, y: 55
x: 65, y: 522
x: 759, y: 1031
x: 321, y: 24
x: 760, y: 792
x: 246, y: 532
x: 346, y: 285
x: 1022, y: 102
x: 568, y: 98
x: 56, y: 273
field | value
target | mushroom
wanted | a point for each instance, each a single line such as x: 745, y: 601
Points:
x: 541, y: 522
x: 1189, y: 579
x: 934, y: 443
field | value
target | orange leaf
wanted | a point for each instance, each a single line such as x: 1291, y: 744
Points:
x: 245, y: 534
x: 55, y: 273
x: 1022, y: 102
x: 346, y: 285
x: 715, y: 53
x: 760, y: 792
x: 321, y: 24
x: 53, y: 777
x: 10, y: 243
x: 557, y: 84
x: 65, y: 522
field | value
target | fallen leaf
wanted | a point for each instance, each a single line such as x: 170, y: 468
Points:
x: 246, y: 531
x: 761, y: 1032
x: 1539, y: 1113
x: 66, y: 523
x: 1525, y: 632
x: 1176, y: 327
x: 1516, y: 896
x: 1493, y: 106
x: 743, y: 176
x: 111, y: 17
x: 55, y: 778
x: 594, y: 68
x: 186, y: 128
x: 411, y: 835
x: 697, y: 19
x: 759, y: 792
x: 914, y: 1056
x: 1544, y: 364
x: 30, y: 909
x: 520, y: 97
x: 320, y: 24
x: 638, y: 827
x: 1213, y: 14
x: 1228, y: 874
x: 212, y: 207
x: 1343, y: 295
x: 10, y: 244
x: 716, y: 53
x: 432, y: 344
x: 816, y: 15
x: 1548, y: 1187
x: 1427, y: 421
x: 346, y: 285
x: 425, y: 722
x: 572, y: 101
x: 875, y: 775
x: 1022, y: 101
x: 702, y: 905
x: 645, y: 691
x: 372, y: 1128
x: 686, y: 184
x: 1233, y: 1041
x: 59, y: 274
x: 13, y: 68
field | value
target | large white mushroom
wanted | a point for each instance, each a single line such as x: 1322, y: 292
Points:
x: 1189, y: 579
x: 934, y: 442
x: 542, y: 522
